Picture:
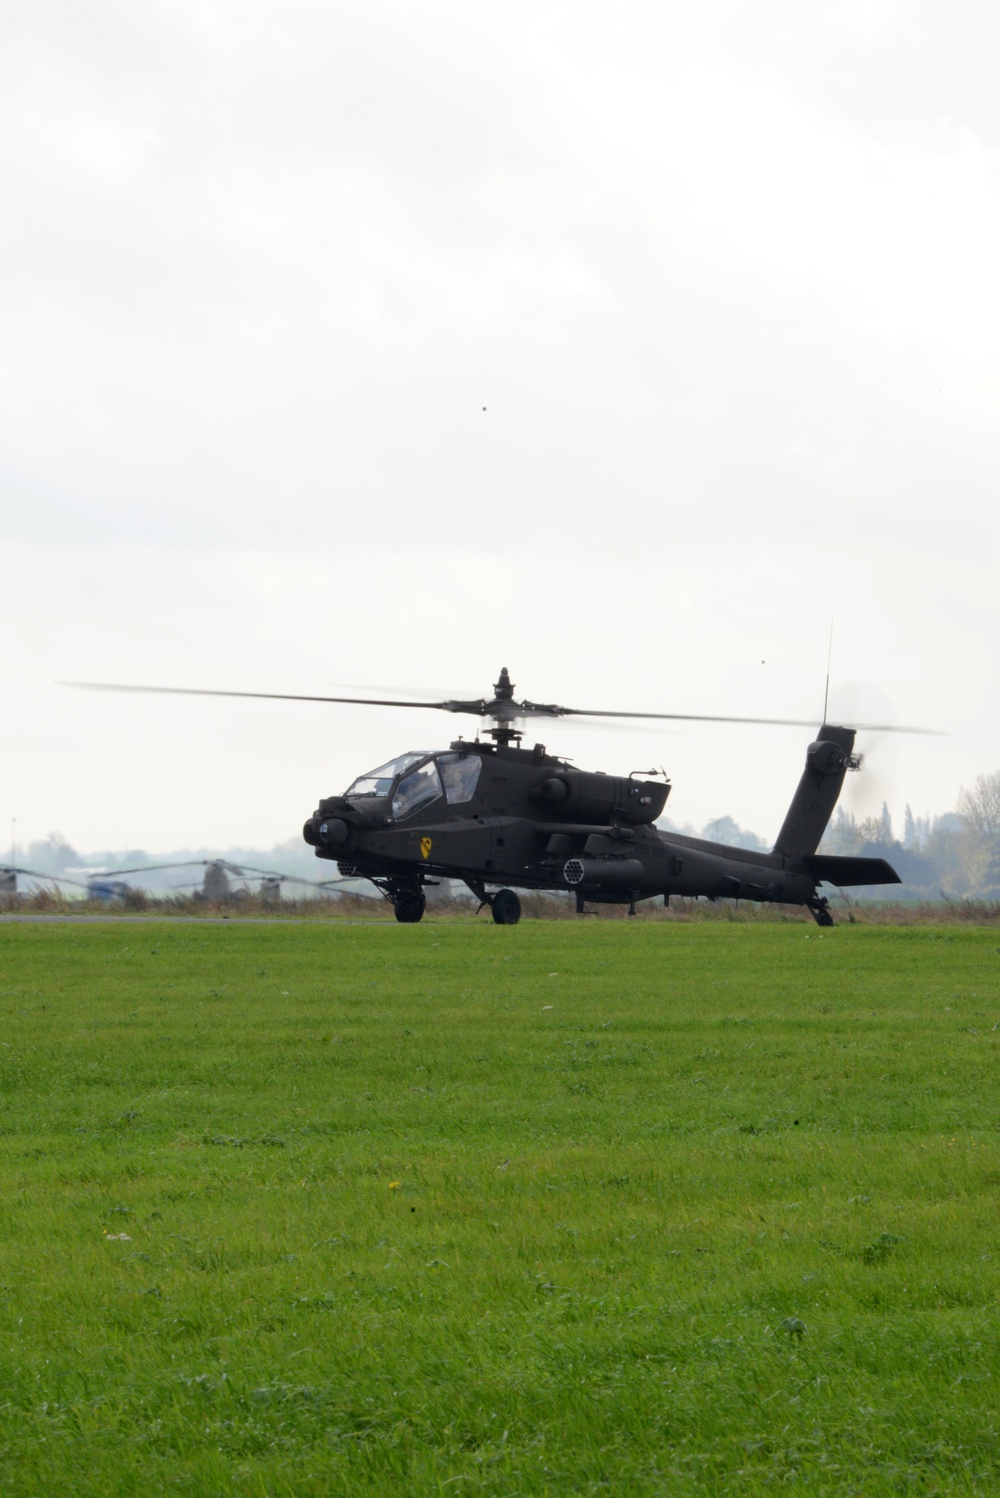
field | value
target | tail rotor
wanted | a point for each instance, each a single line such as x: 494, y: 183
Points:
x: 872, y: 787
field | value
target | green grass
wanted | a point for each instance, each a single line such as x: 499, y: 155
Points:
x: 460, y: 1208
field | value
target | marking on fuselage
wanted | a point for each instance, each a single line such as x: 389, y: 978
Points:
x: 425, y: 847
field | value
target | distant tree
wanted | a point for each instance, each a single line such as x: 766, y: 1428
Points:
x: 945, y: 850
x: 871, y: 834
x: 52, y: 854
x: 726, y: 830
x: 910, y: 837
x: 990, y: 882
x: 667, y: 824
x: 979, y: 807
x: 842, y: 834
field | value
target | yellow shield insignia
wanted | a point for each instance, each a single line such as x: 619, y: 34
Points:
x: 425, y: 847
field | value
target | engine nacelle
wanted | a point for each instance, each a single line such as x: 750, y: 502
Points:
x: 583, y: 796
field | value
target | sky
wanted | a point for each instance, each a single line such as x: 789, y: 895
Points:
x: 627, y: 346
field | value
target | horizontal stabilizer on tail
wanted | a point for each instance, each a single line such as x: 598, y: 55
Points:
x: 831, y: 869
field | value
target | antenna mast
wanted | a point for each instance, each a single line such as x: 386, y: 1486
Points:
x: 829, y: 657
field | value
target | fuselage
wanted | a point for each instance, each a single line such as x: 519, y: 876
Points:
x: 499, y: 815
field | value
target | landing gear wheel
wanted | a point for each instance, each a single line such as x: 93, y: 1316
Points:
x: 506, y: 908
x: 409, y: 908
x: 820, y: 910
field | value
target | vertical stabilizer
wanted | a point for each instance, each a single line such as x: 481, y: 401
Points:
x: 827, y: 761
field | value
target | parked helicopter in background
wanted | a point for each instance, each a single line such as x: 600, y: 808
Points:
x: 499, y: 817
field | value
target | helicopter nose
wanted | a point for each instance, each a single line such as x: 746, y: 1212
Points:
x: 330, y: 831
x: 333, y: 832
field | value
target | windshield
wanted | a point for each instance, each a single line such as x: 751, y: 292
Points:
x: 379, y: 782
x: 416, y: 790
x: 460, y: 773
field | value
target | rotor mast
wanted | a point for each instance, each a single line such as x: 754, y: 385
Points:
x: 503, y: 711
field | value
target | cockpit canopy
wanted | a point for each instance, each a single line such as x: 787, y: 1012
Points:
x: 416, y: 779
x: 379, y: 782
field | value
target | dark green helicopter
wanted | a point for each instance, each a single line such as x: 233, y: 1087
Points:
x: 493, y: 814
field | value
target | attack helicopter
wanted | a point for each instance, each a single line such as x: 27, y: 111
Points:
x: 500, y: 817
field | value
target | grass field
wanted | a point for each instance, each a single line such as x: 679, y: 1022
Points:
x: 596, y: 1207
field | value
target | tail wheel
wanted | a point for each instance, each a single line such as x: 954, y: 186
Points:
x: 409, y: 908
x: 819, y: 908
x: 506, y: 908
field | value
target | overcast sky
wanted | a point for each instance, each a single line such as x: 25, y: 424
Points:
x: 625, y: 345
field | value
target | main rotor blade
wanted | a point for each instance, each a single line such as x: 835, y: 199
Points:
x: 480, y: 708
x: 578, y: 712
x: 112, y: 686
x: 423, y: 694
x: 34, y: 874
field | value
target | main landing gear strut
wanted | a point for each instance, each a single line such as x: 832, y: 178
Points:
x: 505, y: 907
x: 409, y: 902
x: 406, y: 897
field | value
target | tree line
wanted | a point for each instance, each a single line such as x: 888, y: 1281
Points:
x: 957, y: 854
